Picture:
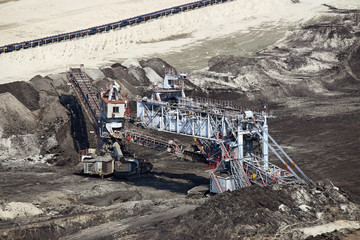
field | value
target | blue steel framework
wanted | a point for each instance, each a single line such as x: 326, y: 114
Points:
x: 107, y: 27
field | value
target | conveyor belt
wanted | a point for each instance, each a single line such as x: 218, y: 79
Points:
x: 107, y: 27
x: 85, y: 92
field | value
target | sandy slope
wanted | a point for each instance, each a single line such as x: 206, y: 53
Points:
x: 31, y: 19
x: 23, y: 20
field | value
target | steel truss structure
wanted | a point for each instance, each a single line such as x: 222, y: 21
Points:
x: 241, y: 136
x: 235, y: 141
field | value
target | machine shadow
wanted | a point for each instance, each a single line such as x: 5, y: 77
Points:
x: 173, y: 182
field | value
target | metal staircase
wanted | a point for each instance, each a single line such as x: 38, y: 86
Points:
x: 215, y: 182
x: 239, y: 174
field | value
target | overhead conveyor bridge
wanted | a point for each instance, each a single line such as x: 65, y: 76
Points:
x: 107, y: 27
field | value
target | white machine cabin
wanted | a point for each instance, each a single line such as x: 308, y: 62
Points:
x: 114, y: 108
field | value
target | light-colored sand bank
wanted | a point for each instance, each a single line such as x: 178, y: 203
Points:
x: 31, y: 19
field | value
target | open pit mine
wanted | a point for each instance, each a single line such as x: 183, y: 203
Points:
x: 262, y: 145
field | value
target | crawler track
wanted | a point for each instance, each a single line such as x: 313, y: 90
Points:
x: 107, y: 27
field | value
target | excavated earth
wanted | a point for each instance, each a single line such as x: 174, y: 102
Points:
x: 309, y: 80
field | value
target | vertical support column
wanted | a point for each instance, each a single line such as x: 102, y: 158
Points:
x: 208, y: 126
x: 150, y: 116
x: 192, y: 127
x: 240, y: 140
x: 182, y: 93
x: 143, y: 112
x: 223, y: 130
x: 177, y: 121
x: 265, y: 142
x: 169, y: 118
x: 162, y: 118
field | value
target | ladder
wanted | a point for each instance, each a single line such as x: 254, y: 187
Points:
x: 240, y: 177
x: 215, y: 180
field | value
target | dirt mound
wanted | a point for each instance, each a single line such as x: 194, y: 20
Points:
x: 54, y: 113
x: 15, y: 117
x: 136, y: 77
x: 73, y: 135
x: 157, y: 64
x: 50, y: 88
x: 49, y: 130
x: 95, y: 74
x: 101, y: 84
x: 45, y: 89
x: 58, y: 118
x: 152, y: 75
x: 24, y: 92
x: 121, y: 73
x: 18, y: 129
x: 257, y: 212
x: 140, y: 75
x: 43, y: 84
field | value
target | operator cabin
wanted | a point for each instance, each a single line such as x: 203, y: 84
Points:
x: 115, y: 109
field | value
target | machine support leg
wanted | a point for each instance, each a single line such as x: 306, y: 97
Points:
x: 265, y: 145
x: 240, y: 141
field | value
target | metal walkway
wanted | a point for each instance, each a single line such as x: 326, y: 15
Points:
x: 107, y: 27
x: 144, y: 139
